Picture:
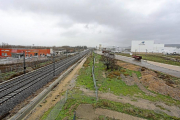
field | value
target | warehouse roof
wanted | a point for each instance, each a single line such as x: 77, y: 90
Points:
x: 172, y: 45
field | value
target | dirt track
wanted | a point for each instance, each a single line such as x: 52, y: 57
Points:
x: 141, y: 103
x: 86, y: 112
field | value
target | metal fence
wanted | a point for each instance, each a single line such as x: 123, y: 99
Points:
x: 53, y: 115
x: 94, y: 79
x: 57, y: 108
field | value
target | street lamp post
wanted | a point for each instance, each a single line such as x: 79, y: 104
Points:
x: 146, y: 53
x: 24, y: 62
x: 53, y: 65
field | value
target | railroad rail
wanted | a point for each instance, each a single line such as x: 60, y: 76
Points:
x: 18, y: 89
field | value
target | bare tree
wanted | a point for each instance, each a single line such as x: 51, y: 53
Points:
x: 109, y: 60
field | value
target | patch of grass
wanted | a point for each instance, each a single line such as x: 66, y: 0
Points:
x: 8, y: 75
x: 160, y: 107
x: 85, y: 75
x: 77, y: 99
x: 102, y: 117
x: 134, y: 100
x: 45, y: 63
x: 114, y: 74
x: 118, y: 87
x: 66, y: 111
x: 46, y: 114
x: 85, y: 78
x: 124, y: 54
x: 129, y: 73
x: 161, y: 98
x: 138, y: 73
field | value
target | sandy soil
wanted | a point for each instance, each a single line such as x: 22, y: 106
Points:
x: 141, y: 103
x: 104, y: 75
x: 129, y: 66
x: 86, y: 112
x: 156, y: 84
x: 115, y: 115
x: 54, y: 96
x: 134, y: 80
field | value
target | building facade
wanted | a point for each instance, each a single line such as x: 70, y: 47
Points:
x: 8, y: 52
x: 146, y: 46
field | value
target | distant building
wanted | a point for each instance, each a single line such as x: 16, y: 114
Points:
x: 17, y: 53
x: 172, y: 45
x: 150, y: 46
x: 115, y: 49
x: 146, y: 46
x: 100, y: 47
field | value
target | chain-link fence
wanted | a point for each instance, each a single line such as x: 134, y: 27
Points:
x: 57, y: 108
x: 54, y: 113
x: 94, y: 79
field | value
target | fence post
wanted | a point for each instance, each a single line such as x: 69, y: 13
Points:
x: 0, y: 76
x: 74, y: 118
x: 94, y: 80
x: 66, y: 95
x: 53, y: 64
x: 24, y: 62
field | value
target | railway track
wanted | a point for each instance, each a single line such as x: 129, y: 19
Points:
x: 17, y: 90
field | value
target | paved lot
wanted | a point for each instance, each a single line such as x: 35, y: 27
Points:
x: 164, y: 68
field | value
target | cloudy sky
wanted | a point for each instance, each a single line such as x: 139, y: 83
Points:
x: 89, y: 22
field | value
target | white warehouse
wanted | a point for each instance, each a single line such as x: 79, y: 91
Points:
x: 146, y: 46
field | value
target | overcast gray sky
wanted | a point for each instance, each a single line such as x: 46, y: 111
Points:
x: 89, y: 22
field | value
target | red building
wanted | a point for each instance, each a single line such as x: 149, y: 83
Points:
x: 15, y: 52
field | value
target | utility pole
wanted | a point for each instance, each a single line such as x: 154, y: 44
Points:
x: 146, y: 53
x: 79, y: 52
x: 24, y: 62
x: 53, y: 65
x: 66, y: 52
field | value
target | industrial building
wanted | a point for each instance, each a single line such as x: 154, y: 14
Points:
x: 118, y: 49
x: 146, y: 46
x: 150, y: 47
x: 17, y: 53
